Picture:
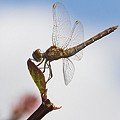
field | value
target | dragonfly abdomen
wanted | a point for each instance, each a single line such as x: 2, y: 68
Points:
x: 71, y: 51
x: 100, y: 35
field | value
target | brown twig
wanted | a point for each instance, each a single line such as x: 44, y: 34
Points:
x: 43, y: 109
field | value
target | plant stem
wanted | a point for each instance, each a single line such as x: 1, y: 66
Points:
x: 42, y: 110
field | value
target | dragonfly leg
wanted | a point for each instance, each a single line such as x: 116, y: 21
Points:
x: 40, y: 62
x: 45, y: 66
x: 50, y: 72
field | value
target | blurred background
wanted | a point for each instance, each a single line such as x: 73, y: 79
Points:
x: 94, y: 92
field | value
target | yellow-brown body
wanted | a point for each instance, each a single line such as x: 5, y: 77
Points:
x: 54, y: 53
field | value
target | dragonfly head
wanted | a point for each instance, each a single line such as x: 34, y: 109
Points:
x: 37, y: 55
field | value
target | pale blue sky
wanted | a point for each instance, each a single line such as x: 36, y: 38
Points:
x: 94, y: 93
x: 90, y: 10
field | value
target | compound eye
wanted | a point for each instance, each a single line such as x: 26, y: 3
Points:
x: 37, y: 55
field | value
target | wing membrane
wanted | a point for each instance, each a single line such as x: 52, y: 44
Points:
x: 68, y: 70
x: 61, y: 25
x: 76, y: 37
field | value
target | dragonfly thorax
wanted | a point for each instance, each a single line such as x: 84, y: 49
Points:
x: 54, y: 53
x: 37, y: 55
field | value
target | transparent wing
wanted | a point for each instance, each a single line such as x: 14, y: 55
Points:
x: 78, y: 56
x: 61, y: 25
x: 76, y: 37
x: 68, y: 70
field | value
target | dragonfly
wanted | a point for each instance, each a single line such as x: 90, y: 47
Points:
x: 67, y: 43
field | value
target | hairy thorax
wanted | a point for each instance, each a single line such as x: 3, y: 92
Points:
x: 54, y: 53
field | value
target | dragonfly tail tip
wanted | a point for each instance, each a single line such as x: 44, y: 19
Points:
x: 116, y: 26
